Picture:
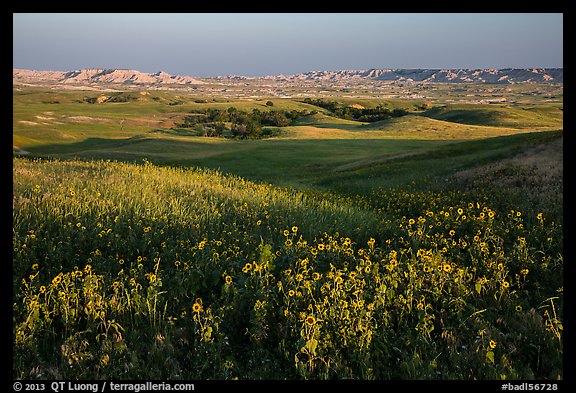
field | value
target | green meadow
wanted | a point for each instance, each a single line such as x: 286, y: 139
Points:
x: 141, y: 124
x: 423, y: 246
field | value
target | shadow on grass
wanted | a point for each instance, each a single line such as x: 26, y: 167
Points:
x: 349, y: 165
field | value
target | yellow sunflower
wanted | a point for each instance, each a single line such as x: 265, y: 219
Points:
x: 197, y: 307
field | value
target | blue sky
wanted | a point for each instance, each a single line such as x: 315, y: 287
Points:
x: 207, y: 44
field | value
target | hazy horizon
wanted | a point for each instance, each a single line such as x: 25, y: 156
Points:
x: 204, y: 45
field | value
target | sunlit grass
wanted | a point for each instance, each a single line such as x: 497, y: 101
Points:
x: 131, y: 271
x: 428, y: 246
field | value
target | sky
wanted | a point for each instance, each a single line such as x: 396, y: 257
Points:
x: 256, y: 44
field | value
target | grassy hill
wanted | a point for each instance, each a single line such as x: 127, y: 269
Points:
x: 132, y: 271
x: 426, y: 246
x: 434, y: 166
x: 42, y: 118
x: 499, y: 116
x: 131, y: 126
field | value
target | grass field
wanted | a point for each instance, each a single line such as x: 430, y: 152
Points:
x: 428, y: 246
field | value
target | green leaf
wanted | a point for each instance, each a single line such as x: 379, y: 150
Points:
x: 478, y: 287
x: 311, y: 346
x: 490, y: 356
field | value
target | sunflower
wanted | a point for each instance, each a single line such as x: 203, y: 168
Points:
x: 197, y: 307
x: 492, y: 344
x: 228, y: 280
x: 447, y: 267
x: 310, y: 320
x: 56, y: 280
x: 294, y: 229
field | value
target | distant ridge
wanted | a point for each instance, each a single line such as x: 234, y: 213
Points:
x: 458, y: 75
x: 101, y: 75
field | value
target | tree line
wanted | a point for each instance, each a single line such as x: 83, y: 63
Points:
x: 240, y: 124
x: 235, y: 123
x: 359, y: 114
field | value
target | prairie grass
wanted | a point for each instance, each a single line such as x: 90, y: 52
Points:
x: 428, y: 246
x: 128, y: 271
